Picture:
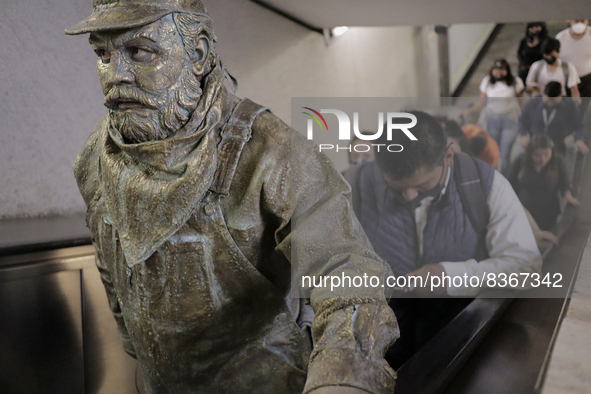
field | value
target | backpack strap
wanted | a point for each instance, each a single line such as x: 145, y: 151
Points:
x: 235, y: 134
x: 566, y: 72
x: 537, y: 72
x: 473, y: 197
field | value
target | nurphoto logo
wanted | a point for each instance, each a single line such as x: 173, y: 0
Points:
x: 344, y: 131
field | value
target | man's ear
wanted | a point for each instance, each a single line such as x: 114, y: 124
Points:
x: 449, y: 156
x: 201, y: 55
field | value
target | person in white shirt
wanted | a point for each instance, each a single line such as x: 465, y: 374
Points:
x: 499, y: 91
x: 552, y: 68
x: 575, y: 44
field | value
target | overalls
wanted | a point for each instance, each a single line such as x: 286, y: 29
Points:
x: 201, y: 317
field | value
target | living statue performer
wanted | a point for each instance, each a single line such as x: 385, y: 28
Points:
x: 195, y: 199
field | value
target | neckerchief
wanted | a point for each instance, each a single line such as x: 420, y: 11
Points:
x: 151, y: 189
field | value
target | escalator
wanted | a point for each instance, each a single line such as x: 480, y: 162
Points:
x: 57, y: 332
x: 502, y: 345
x: 496, y: 345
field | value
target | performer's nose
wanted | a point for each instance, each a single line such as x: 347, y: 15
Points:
x: 119, y: 70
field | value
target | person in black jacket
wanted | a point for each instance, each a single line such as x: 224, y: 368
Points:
x: 530, y: 47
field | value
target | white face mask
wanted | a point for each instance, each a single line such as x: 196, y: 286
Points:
x: 579, y: 28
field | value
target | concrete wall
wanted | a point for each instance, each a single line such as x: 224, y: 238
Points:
x: 50, y: 98
x: 465, y: 42
x: 275, y: 59
x: 49, y: 103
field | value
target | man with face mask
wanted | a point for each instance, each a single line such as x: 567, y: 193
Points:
x: 426, y: 218
x: 554, y: 115
x: 553, y: 68
x: 575, y: 44
x: 196, y: 200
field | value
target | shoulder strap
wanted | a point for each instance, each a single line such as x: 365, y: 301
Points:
x: 566, y: 72
x: 537, y: 72
x: 472, y: 195
x: 235, y: 134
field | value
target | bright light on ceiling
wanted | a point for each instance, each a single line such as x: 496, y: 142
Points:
x: 339, y: 31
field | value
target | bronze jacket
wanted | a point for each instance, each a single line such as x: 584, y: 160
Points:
x: 202, y: 259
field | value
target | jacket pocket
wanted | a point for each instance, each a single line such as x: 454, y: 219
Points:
x: 178, y: 282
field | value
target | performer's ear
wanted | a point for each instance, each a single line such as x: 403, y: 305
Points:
x: 201, y: 55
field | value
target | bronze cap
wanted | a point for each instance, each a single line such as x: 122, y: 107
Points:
x: 126, y: 14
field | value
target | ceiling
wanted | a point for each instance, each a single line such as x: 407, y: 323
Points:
x: 331, y: 13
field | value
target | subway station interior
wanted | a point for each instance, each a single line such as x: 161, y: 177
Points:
x: 57, y: 331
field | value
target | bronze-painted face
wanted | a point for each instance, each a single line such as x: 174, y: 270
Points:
x: 147, y: 78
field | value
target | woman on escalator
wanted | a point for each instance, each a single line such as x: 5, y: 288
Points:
x: 538, y: 176
x: 498, y: 96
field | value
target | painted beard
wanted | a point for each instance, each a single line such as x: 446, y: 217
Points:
x: 159, y: 115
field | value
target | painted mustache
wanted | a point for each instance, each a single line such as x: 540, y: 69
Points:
x: 129, y: 97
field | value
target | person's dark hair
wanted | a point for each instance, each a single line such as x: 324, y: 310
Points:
x: 550, y: 45
x: 543, y: 32
x: 504, y: 65
x: 541, y: 141
x: 453, y: 130
x: 478, y: 144
x: 553, y: 89
x: 426, y: 152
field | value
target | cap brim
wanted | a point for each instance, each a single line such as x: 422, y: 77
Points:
x: 118, y: 18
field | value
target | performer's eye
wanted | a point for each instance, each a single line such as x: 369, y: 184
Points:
x: 140, y: 54
x: 103, y: 55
